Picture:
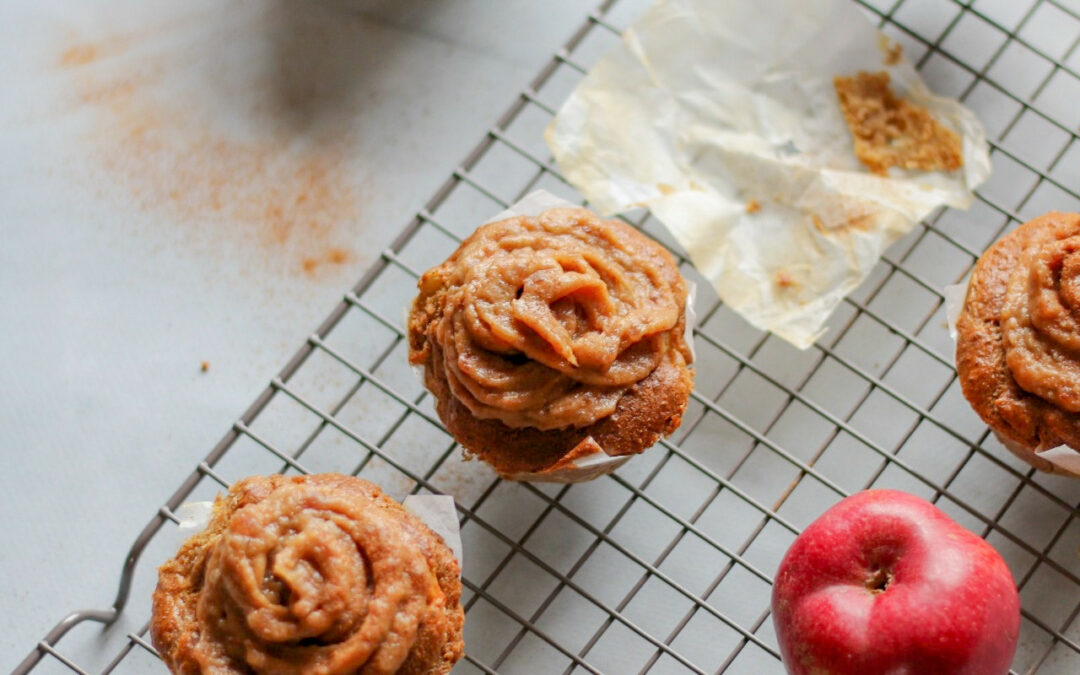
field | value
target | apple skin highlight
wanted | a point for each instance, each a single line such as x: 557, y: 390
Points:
x: 885, y: 582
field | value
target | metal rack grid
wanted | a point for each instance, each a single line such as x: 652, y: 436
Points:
x: 666, y: 565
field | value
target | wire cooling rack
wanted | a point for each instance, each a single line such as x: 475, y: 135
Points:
x: 665, y: 566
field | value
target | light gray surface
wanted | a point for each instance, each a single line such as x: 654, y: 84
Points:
x: 664, y: 566
x: 113, y: 291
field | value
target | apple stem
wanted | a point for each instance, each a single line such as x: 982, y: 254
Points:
x: 878, y: 581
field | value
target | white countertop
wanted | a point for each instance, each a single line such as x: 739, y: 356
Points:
x: 190, y: 182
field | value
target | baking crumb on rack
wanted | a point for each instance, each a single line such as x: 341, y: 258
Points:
x: 892, y: 51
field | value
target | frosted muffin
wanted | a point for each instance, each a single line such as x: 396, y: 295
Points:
x: 551, y: 339
x: 310, y: 574
x: 1018, y: 338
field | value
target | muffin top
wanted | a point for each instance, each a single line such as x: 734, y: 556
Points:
x: 1018, y: 350
x: 309, y: 574
x: 546, y: 321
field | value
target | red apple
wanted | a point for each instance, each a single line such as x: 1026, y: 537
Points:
x: 884, y: 582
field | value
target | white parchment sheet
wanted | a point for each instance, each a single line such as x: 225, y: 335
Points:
x: 721, y: 117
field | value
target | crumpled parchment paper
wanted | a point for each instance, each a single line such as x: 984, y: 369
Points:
x: 710, y: 108
x: 437, y: 512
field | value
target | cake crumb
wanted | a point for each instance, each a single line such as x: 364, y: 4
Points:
x: 892, y: 51
x: 785, y: 280
x: 893, y: 54
x: 204, y: 366
x: 890, y: 131
x: 753, y: 206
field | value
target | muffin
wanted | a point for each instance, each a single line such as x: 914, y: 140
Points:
x: 1018, y: 338
x: 309, y: 574
x: 553, y: 340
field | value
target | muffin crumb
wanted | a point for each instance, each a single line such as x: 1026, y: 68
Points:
x: 891, y: 131
x: 892, y: 51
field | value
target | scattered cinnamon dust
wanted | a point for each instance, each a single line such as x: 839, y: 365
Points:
x: 891, y: 131
x: 287, y: 194
x: 79, y: 55
x: 334, y: 256
x: 337, y: 256
x: 753, y: 206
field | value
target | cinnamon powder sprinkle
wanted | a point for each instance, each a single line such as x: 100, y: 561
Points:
x: 290, y: 198
x: 79, y: 55
x: 334, y: 256
x: 891, y: 131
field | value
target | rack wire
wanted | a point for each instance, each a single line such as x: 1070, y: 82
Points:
x: 666, y: 565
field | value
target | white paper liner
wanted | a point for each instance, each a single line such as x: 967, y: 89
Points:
x: 955, y: 294
x: 708, y: 107
x: 1062, y: 455
x: 586, y: 467
x: 532, y: 204
x: 690, y: 313
x: 194, y: 515
x: 437, y: 512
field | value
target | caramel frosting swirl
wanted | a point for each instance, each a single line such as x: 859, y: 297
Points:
x: 320, y: 574
x: 546, y: 321
x: 1040, y: 319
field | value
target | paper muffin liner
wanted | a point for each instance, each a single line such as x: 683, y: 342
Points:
x: 587, y: 460
x: 1060, y: 459
x: 436, y: 511
x: 439, y: 513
